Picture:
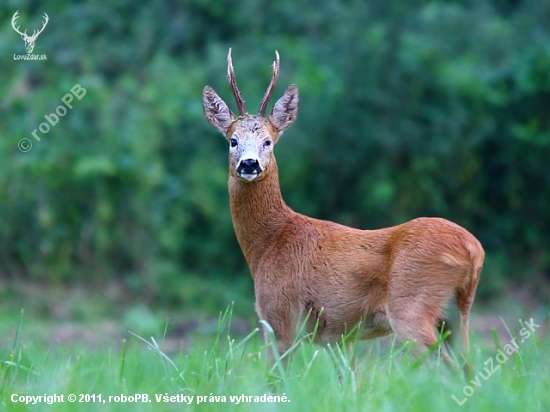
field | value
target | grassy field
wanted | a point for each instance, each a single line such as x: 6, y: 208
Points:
x: 219, y: 372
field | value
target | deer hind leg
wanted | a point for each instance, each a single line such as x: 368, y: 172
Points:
x: 411, y: 320
x: 464, y: 301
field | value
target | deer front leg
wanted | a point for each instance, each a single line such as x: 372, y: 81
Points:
x: 276, y: 318
x: 274, y: 342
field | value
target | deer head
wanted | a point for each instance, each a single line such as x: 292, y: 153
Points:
x: 251, y: 137
x: 29, y: 40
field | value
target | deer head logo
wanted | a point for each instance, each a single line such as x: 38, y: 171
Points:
x: 29, y: 40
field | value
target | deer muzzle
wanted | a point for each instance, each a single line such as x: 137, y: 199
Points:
x: 249, y: 169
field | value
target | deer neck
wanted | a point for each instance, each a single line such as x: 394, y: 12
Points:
x: 259, y: 213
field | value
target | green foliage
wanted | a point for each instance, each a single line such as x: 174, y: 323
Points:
x: 408, y: 109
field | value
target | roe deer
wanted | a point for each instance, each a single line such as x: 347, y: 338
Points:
x: 396, y: 279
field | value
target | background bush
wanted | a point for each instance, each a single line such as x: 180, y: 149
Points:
x: 408, y: 108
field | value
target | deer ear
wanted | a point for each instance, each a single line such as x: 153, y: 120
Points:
x: 216, y: 111
x: 285, y: 110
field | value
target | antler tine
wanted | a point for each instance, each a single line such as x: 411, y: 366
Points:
x: 46, y: 20
x: 37, y: 32
x: 267, y: 95
x: 13, y: 19
x: 233, y: 82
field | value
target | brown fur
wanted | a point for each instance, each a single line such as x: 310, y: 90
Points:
x: 396, y: 279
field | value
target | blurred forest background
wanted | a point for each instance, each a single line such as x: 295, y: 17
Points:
x: 408, y: 108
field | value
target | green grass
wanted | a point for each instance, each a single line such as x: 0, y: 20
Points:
x: 314, y: 378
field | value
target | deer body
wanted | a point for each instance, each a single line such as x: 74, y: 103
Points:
x: 395, y: 279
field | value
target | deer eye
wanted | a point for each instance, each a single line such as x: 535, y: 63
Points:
x: 233, y: 142
x: 267, y: 143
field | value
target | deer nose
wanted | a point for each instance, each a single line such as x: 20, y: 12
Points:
x: 249, y: 167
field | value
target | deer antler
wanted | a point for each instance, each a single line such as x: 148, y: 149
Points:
x: 15, y: 17
x: 35, y: 33
x: 267, y: 95
x: 233, y: 83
